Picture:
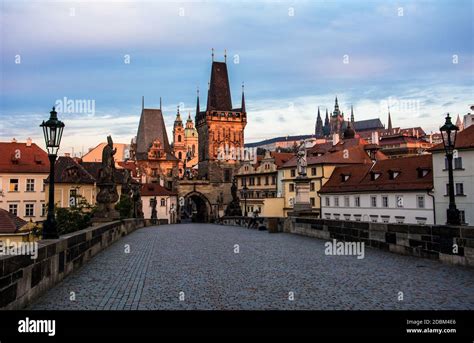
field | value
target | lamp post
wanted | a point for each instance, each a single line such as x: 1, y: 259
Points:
x: 245, y: 190
x: 53, y: 131
x: 448, y: 133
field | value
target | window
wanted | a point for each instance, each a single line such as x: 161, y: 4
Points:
x: 459, y: 189
x: 13, y: 185
x: 30, y: 185
x: 357, y: 201
x: 399, y: 201
x: 29, y: 210
x: 337, y: 216
x: 13, y: 209
x: 384, y: 201
x: 357, y: 217
x: 458, y: 163
x: 462, y: 216
x: 274, y: 179
x: 327, y: 215
x: 399, y: 220
x: 311, y: 186
x: 44, y: 209
x: 293, y: 172
x: 336, y: 201
x: 266, y: 180
x: 163, y: 202
x: 346, y: 202
x: 180, y: 155
x: 258, y: 181
x: 227, y: 175
x: 312, y: 201
x: 385, y: 219
x: 420, y: 201
x: 72, y: 197
x: 374, y: 218
x: 420, y: 220
x: 328, y: 201
x: 179, y: 138
x: 313, y: 171
x: 347, y: 216
x: 373, y: 200
x: 292, y: 187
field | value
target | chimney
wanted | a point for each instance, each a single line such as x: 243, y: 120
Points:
x: 335, y: 138
x: 28, y: 141
x: 67, y: 154
x: 375, y: 138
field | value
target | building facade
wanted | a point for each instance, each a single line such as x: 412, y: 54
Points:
x: 388, y: 191
x: 166, y: 202
x: 322, y: 160
x: 463, y: 165
x: 261, y: 182
x: 23, y: 169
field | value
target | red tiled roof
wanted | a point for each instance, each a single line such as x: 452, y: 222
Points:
x: 351, y: 155
x: 464, y: 140
x: 360, y: 177
x: 281, y: 157
x: 32, y: 158
x: 9, y: 223
x: 155, y: 189
x: 67, y: 170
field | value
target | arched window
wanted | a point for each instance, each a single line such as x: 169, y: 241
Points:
x: 180, y: 155
x: 179, y: 138
x: 193, y: 149
x: 163, y: 202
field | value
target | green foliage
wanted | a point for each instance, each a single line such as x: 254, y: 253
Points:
x: 74, y: 218
x: 125, y: 207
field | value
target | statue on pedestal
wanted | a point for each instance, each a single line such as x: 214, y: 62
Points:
x: 301, y: 160
x: 234, y: 209
x: 107, y: 195
x: 137, y: 201
x: 154, y: 214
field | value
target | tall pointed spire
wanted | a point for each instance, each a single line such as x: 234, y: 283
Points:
x: 389, y: 126
x: 198, y: 107
x: 352, y: 115
x: 319, y: 133
x: 336, y: 108
x: 243, y: 99
x: 225, y: 55
x: 212, y: 54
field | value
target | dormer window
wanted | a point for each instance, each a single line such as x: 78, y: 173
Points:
x: 422, y: 172
x: 392, y: 174
x: 375, y: 175
x: 345, y: 177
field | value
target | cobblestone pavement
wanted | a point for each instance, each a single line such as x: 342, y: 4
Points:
x: 195, y: 266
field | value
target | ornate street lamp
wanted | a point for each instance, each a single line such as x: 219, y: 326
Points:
x: 53, y: 131
x: 448, y: 133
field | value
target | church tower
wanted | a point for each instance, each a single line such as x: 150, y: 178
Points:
x: 319, y: 126
x: 337, y: 120
x: 179, y: 146
x: 220, y: 128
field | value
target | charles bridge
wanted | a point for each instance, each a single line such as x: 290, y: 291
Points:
x: 133, y: 264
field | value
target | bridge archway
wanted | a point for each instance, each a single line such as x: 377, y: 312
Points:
x: 196, y: 208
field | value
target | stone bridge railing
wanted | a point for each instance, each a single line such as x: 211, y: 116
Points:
x: 23, y: 279
x: 448, y: 244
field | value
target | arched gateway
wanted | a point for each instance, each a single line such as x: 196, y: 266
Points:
x: 195, y: 207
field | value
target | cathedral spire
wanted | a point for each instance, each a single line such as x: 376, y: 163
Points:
x: 243, y: 99
x: 336, y: 108
x: 352, y: 115
x: 389, y: 120
x: 198, y: 107
x: 319, y: 133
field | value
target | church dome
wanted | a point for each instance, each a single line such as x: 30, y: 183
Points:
x: 349, y: 132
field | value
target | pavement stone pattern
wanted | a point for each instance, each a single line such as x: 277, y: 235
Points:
x: 198, y: 261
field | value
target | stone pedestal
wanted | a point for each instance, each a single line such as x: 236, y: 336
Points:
x: 302, y: 205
